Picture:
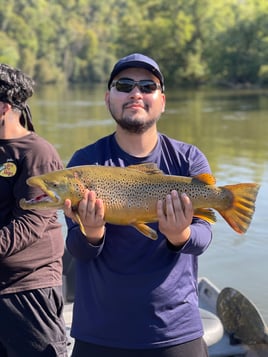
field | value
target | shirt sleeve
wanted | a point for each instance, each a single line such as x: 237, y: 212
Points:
x: 78, y: 245
x: 200, y: 239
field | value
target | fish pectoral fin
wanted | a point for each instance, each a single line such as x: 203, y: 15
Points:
x: 145, y: 230
x: 82, y: 229
x: 207, y: 214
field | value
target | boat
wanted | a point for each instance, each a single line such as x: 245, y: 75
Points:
x: 233, y: 326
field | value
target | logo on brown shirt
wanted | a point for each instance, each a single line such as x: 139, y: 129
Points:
x: 8, y: 169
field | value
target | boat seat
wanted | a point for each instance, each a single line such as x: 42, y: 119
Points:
x: 213, y: 328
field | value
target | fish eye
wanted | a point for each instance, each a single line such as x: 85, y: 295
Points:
x: 54, y: 184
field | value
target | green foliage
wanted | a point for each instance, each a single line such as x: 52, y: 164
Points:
x: 194, y: 41
x: 9, y: 51
x: 263, y: 74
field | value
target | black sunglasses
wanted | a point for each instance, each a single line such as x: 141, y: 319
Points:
x: 126, y: 85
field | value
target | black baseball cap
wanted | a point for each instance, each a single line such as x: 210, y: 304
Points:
x: 137, y: 60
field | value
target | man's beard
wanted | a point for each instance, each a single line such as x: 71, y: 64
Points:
x: 135, y: 126
x: 131, y: 125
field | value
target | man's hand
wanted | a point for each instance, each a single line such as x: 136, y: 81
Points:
x: 91, y: 213
x: 175, y: 215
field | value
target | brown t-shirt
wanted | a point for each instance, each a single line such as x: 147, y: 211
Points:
x: 31, y: 242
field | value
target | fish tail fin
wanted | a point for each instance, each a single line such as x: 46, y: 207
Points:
x: 240, y: 213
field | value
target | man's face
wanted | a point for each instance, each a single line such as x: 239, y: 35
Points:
x: 135, y: 111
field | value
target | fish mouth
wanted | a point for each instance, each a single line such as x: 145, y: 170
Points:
x: 44, y: 200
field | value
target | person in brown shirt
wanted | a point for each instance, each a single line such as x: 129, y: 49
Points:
x: 31, y: 241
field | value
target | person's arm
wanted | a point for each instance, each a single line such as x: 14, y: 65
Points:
x: 23, y: 230
x: 27, y: 226
x: 184, y: 232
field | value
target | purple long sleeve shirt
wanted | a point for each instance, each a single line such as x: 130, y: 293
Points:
x: 132, y: 292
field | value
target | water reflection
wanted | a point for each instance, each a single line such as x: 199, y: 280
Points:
x: 230, y: 127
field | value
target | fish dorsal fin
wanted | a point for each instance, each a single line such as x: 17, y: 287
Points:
x: 204, y: 178
x: 148, y: 168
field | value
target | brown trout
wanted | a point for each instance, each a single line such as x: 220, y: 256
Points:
x: 130, y: 194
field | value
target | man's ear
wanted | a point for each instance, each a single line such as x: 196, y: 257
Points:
x: 107, y: 98
x: 5, y: 107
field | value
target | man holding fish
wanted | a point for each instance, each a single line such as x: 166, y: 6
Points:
x: 133, y: 183
x: 137, y: 296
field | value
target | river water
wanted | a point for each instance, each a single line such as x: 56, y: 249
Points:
x: 230, y: 127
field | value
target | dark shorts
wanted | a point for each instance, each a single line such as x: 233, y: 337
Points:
x: 32, y: 324
x: 195, y: 348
